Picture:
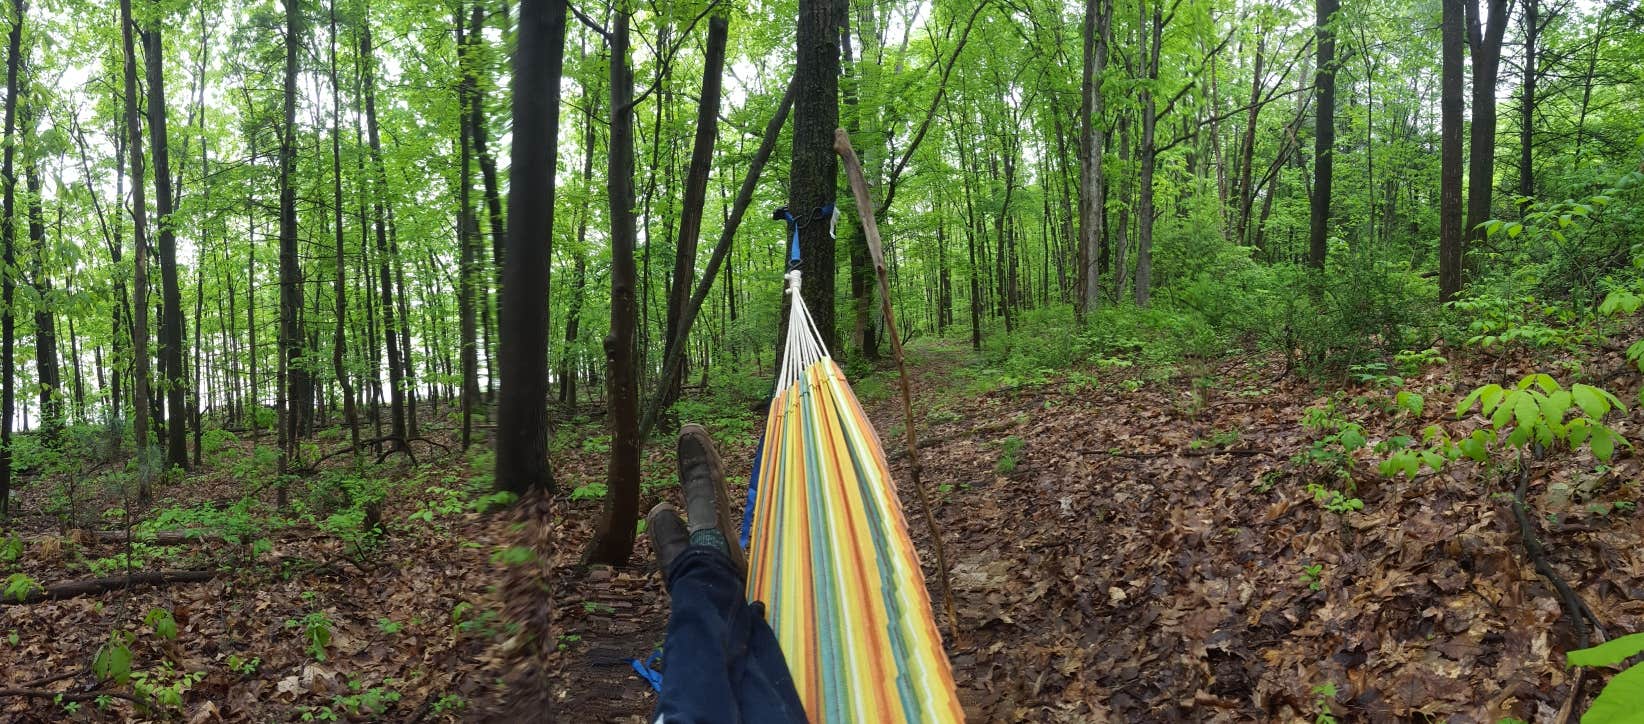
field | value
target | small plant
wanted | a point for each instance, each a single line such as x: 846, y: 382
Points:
x: 1311, y: 574
x: 316, y: 629
x: 1623, y: 697
x: 244, y: 666
x: 1323, y: 696
x: 1334, y: 500
x: 389, y: 626
x: 566, y: 639
x: 19, y: 586
x: 1009, y: 451
x: 597, y: 607
x: 1412, y: 362
x: 592, y: 490
x: 11, y: 549
x: 1219, y: 438
x: 164, y: 685
x: 449, y: 704
x: 113, y: 660
x: 164, y: 625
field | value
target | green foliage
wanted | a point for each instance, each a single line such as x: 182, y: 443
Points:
x: 113, y: 660
x: 163, y: 685
x: 11, y: 549
x: 19, y: 586
x: 1323, y: 696
x: 591, y: 490
x: 164, y: 625
x: 1623, y: 697
x: 244, y: 666
x: 1311, y: 575
x: 1009, y: 451
x: 316, y: 631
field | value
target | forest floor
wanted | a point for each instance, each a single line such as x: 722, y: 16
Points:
x: 1178, y: 566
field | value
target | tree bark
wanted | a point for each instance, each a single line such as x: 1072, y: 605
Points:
x: 814, y: 171
x: 614, y: 540
x: 696, y: 192
x: 467, y: 235
x: 339, y: 288
x: 522, y: 333
x: 292, y: 337
x: 396, y: 343
x: 1324, y: 135
x: 8, y: 238
x: 1450, y: 104
x: 139, y: 230
x: 1481, y: 153
x: 1092, y: 145
x: 171, y: 303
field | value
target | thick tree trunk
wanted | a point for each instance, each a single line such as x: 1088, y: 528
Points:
x: 171, y: 303
x: 522, y: 333
x: 1481, y: 153
x: 292, y: 337
x: 1092, y: 145
x: 1450, y: 104
x: 139, y: 276
x: 813, y: 173
x: 1324, y: 135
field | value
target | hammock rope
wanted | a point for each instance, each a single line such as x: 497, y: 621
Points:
x: 829, y: 551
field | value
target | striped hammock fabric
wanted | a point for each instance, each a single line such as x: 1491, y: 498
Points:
x: 830, y: 555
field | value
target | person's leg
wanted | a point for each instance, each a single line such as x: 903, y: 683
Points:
x: 721, y: 662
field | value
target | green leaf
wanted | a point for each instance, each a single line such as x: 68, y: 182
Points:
x: 1620, y: 701
x: 1525, y: 410
x: 113, y: 662
x: 1609, y: 653
x: 1590, y: 400
x: 1603, y: 443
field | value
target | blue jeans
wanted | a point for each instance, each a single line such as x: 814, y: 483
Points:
x: 721, y: 662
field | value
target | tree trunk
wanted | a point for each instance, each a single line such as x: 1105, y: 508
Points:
x: 47, y: 373
x: 171, y: 303
x: 393, y: 339
x: 1324, y: 135
x: 467, y: 235
x: 1149, y: 154
x: 8, y: 238
x: 1092, y: 145
x: 1527, y: 98
x: 813, y: 173
x: 522, y: 331
x: 1450, y: 103
x: 139, y: 229
x: 614, y: 540
x: 1481, y: 145
x: 696, y: 192
x: 339, y: 288
x: 292, y: 338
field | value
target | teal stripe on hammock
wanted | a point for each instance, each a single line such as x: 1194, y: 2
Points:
x: 825, y: 595
x: 884, y: 557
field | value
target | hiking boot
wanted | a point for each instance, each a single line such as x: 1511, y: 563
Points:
x: 707, y: 501
x: 668, y: 535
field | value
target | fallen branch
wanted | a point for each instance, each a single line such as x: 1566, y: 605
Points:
x: 1575, y: 609
x: 113, y: 583
x: 68, y: 695
x: 159, y: 537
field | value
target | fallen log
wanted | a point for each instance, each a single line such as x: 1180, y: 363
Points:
x: 73, y: 589
x: 159, y: 537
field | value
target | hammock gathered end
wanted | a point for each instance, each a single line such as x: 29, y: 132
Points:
x: 830, y: 555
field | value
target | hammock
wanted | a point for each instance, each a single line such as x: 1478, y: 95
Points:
x: 829, y: 551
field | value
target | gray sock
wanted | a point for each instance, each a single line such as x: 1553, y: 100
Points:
x: 712, y: 538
